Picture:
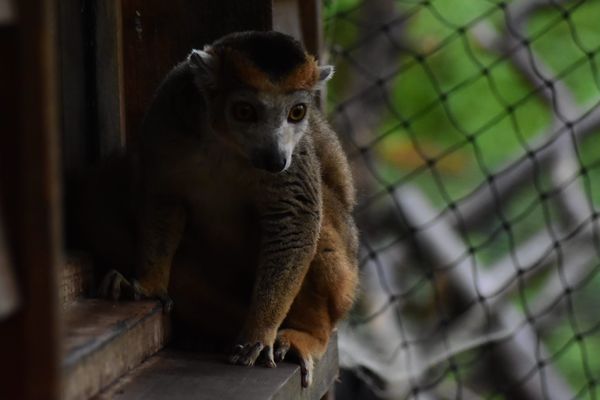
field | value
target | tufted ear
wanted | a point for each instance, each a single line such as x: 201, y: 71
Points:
x: 325, y: 73
x: 203, y: 64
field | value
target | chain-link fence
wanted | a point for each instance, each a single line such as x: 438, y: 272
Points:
x: 472, y: 130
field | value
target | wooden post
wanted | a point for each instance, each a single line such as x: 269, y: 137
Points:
x: 77, y: 135
x: 110, y: 102
x: 30, y: 190
x: 9, y: 295
x: 311, y: 23
x: 302, y: 20
x: 139, y: 41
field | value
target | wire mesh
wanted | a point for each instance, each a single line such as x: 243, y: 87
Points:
x: 472, y: 129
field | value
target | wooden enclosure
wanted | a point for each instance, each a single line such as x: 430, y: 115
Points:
x: 76, y: 77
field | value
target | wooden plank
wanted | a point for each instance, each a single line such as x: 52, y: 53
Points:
x: 111, y: 117
x: 9, y: 69
x: 311, y: 23
x: 9, y: 294
x: 30, y: 188
x: 286, y: 18
x: 75, y: 126
x: 7, y: 12
x: 158, y: 34
x: 104, y: 340
x: 76, y: 279
x: 301, y: 19
x: 179, y: 375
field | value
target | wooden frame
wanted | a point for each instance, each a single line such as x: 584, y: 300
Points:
x: 30, y: 190
x: 56, y: 85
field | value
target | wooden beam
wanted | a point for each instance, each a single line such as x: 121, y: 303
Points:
x: 311, y: 23
x: 110, y: 102
x: 302, y: 20
x: 286, y: 18
x: 74, y: 40
x: 7, y: 12
x: 9, y: 294
x: 158, y: 34
x: 188, y: 375
x: 30, y: 187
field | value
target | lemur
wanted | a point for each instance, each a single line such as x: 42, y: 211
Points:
x: 236, y: 203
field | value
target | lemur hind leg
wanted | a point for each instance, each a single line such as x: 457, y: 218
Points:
x: 325, y: 297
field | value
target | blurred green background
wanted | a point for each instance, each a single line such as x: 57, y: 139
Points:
x: 476, y: 104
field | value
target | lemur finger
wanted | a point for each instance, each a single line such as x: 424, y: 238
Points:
x: 115, y: 293
x: 110, y: 287
x: 281, y: 349
x: 235, y: 353
x: 246, y: 354
x: 266, y: 357
x: 250, y: 357
x: 138, y: 291
x: 306, y: 371
x: 167, y: 303
x: 104, y: 285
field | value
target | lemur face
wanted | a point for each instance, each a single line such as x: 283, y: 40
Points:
x: 267, y: 126
x: 259, y: 87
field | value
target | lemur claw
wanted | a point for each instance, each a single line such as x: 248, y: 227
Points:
x: 266, y: 357
x: 166, y: 302
x: 247, y: 354
x: 115, y: 286
x: 140, y: 293
x: 306, y: 369
x: 281, y: 349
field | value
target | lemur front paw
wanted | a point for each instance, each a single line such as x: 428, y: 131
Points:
x: 248, y: 352
x: 115, y: 286
x: 304, y: 347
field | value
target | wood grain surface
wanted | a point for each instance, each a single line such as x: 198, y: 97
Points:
x: 104, y: 340
x: 183, y: 376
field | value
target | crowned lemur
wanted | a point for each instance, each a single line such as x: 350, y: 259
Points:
x: 236, y: 203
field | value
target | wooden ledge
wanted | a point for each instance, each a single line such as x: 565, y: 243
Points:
x: 76, y: 279
x: 177, y: 375
x: 104, y: 340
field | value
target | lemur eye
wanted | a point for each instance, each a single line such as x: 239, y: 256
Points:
x: 244, y: 112
x: 297, y: 113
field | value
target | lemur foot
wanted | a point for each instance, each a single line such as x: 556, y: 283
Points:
x: 254, y: 346
x: 251, y: 352
x: 304, y: 347
x: 115, y: 286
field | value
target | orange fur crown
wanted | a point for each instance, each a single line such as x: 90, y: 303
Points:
x: 267, y: 61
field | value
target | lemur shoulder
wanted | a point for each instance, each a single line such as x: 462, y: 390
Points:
x: 237, y: 204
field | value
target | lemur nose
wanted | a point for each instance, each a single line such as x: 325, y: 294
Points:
x: 275, y: 163
x: 272, y: 162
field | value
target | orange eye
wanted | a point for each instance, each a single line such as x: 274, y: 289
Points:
x: 297, y: 113
x: 244, y: 112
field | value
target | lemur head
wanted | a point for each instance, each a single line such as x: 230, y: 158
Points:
x: 258, y: 87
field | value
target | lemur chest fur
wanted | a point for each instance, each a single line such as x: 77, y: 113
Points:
x: 218, y: 191
x: 221, y: 211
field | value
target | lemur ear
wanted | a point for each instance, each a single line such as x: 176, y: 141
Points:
x: 204, y: 65
x: 325, y: 73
